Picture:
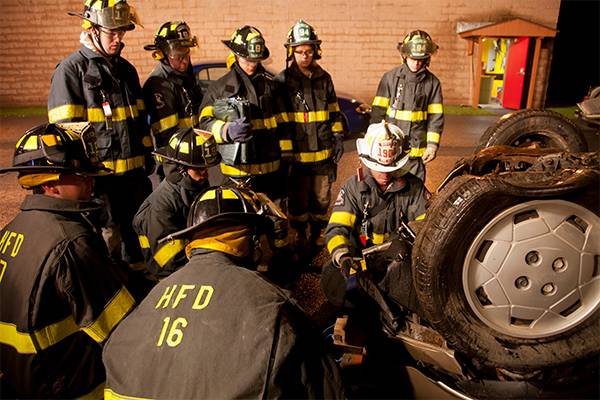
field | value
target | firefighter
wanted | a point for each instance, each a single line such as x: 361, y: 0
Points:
x: 97, y: 85
x: 60, y: 293
x: 187, y: 157
x: 316, y: 133
x: 410, y: 96
x: 216, y: 328
x: 370, y: 207
x: 171, y: 93
x: 249, y: 135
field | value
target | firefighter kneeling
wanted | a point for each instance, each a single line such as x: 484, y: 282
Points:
x: 217, y: 327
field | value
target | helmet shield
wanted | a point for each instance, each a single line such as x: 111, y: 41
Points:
x: 247, y: 42
x: 418, y: 45
x: 384, y: 147
x: 192, y: 148
x: 173, y: 35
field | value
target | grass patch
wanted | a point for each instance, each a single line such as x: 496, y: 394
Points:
x: 465, y: 110
x: 7, y: 112
x: 568, y: 112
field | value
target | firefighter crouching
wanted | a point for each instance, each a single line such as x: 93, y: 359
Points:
x: 171, y: 93
x: 316, y: 135
x: 97, y: 85
x: 248, y: 138
x: 60, y: 294
x: 216, y: 328
x: 369, y: 208
x: 186, y: 159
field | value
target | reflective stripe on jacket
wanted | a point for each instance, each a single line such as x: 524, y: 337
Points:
x: 313, y: 114
x: 85, y: 88
x: 173, y: 101
x: 60, y: 298
x: 413, y: 102
x: 405, y: 201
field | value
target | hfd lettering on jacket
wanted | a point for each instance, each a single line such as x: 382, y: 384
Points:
x: 172, y: 331
x: 11, y: 241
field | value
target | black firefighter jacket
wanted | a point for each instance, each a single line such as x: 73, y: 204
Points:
x: 413, y: 102
x: 362, y: 209
x: 261, y: 155
x: 163, y: 212
x: 85, y: 87
x: 173, y: 101
x: 313, y: 115
x: 215, y: 330
x: 60, y: 298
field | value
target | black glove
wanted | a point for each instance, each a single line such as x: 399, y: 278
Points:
x: 239, y: 131
x: 338, y: 150
x: 348, y: 264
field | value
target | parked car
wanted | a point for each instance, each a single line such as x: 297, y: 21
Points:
x: 356, y: 113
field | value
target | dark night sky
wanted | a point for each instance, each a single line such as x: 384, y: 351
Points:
x: 576, y: 59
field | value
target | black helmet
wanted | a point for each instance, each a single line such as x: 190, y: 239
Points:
x: 223, y: 205
x: 302, y: 33
x: 172, y: 35
x: 110, y: 14
x: 191, y: 147
x: 248, y: 42
x: 418, y: 45
x: 57, y: 148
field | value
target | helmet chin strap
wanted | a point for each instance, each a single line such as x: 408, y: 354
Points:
x: 98, y: 43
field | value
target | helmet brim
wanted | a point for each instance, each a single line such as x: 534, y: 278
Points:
x: 266, y: 52
x: 162, y: 153
x: 128, y: 27
x: 362, y: 151
x: 99, y: 171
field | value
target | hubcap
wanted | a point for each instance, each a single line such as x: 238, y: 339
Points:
x: 533, y: 271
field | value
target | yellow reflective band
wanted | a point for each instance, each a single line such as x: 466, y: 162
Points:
x: 187, y: 122
x: 250, y: 169
x: 66, y: 112
x: 379, y: 238
x: 285, y: 145
x: 94, y: 394
x: 417, y: 152
x: 379, y: 101
x: 342, y: 218
x: 312, y: 116
x: 333, y: 107
x: 208, y: 111
x: 407, y: 115
x: 116, y: 309
x: 118, y: 114
x: 165, y: 123
x: 144, y: 242
x: 420, y: 217
x: 169, y: 250
x: 337, y: 127
x: 147, y: 141
x: 335, y: 242
x: 140, y: 104
x: 433, y: 137
x: 110, y: 395
x: 45, y: 337
x: 312, y: 157
x: 267, y: 123
x: 120, y: 166
x: 282, y: 117
x: 435, y: 108
x: 10, y: 336
x: 217, y: 131
x: 225, y: 194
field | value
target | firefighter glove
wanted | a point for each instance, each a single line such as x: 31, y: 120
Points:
x: 429, y: 153
x: 239, y: 131
x: 347, y: 265
x: 338, y: 150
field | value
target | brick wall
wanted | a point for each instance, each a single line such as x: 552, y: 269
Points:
x: 359, y: 38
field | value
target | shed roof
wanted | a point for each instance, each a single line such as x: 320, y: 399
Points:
x: 516, y: 27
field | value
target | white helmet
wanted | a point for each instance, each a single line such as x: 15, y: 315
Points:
x: 384, y: 147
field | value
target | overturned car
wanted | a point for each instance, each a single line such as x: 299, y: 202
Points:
x: 506, y: 268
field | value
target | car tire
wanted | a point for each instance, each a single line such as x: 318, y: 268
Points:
x: 491, y: 297
x: 542, y: 127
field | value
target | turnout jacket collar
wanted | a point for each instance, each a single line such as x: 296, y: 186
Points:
x: 370, y: 185
x: 315, y: 71
x: 42, y: 202
x: 165, y: 70
x: 405, y: 73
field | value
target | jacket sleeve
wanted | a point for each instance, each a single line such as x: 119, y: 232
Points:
x: 208, y: 121
x: 88, y: 281
x: 344, y: 223
x: 152, y: 223
x: 418, y: 201
x: 65, y: 99
x: 162, y: 107
x: 435, y: 114
x: 335, y: 114
x: 285, y: 125
x: 381, y: 101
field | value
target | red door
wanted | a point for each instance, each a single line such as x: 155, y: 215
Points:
x: 514, y: 77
